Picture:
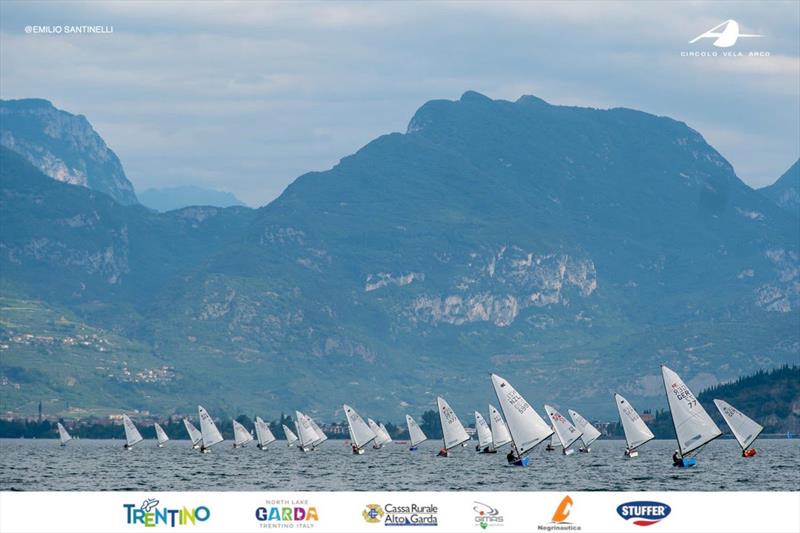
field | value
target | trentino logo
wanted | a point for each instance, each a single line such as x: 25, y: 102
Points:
x: 559, y: 521
x: 486, y: 515
x: 149, y: 514
x: 725, y: 38
x: 644, y: 513
x: 287, y: 514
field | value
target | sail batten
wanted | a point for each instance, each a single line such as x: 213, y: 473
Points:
x: 693, y: 426
x: 745, y: 429
x: 526, y: 427
x: 453, y: 432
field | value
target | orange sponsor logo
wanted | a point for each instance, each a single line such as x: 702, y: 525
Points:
x: 562, y: 511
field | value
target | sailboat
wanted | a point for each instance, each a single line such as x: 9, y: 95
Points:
x: 745, y: 429
x: 208, y: 430
x: 589, y: 433
x: 194, y: 434
x: 132, y: 435
x: 380, y: 438
x: 500, y: 434
x: 240, y: 435
x: 693, y: 427
x: 485, y: 439
x: 453, y: 432
x: 263, y: 434
x: 63, y: 435
x: 291, y: 438
x: 636, y: 431
x: 415, y: 433
x: 526, y: 427
x: 161, y: 435
x: 321, y: 436
x: 306, y: 435
x: 360, y: 432
x: 566, y: 432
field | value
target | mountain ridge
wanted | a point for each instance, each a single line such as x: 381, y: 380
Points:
x: 551, y: 244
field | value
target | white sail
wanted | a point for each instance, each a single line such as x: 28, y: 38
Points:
x: 290, y: 436
x: 744, y: 428
x: 321, y: 436
x: 194, y: 433
x: 453, y: 432
x: 208, y: 429
x: 636, y: 431
x: 693, y: 427
x: 380, y: 438
x: 554, y: 442
x: 386, y: 436
x: 499, y: 429
x: 305, y: 431
x: 360, y: 432
x: 63, y: 434
x: 240, y: 434
x: 161, y: 435
x: 415, y: 432
x: 567, y: 433
x: 132, y: 435
x: 525, y: 425
x: 484, y: 433
x: 589, y: 433
x: 263, y: 433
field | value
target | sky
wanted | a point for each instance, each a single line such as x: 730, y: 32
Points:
x: 245, y: 97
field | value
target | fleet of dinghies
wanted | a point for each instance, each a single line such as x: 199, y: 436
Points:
x: 516, y: 423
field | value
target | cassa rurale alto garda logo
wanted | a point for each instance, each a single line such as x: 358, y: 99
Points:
x: 401, y: 515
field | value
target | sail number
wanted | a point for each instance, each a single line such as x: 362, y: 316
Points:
x: 682, y: 392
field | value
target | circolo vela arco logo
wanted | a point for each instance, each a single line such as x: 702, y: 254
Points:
x: 644, y: 513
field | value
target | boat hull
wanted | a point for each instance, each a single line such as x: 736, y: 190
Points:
x: 686, y: 462
x: 524, y: 461
x: 568, y: 452
x: 413, y: 449
x: 749, y: 453
x: 633, y: 453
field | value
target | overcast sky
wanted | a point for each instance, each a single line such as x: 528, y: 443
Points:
x: 246, y: 97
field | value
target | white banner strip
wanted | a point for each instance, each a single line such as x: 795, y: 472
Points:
x: 445, y: 512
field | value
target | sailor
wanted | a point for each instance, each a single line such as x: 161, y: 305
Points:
x: 676, y: 458
x: 443, y: 453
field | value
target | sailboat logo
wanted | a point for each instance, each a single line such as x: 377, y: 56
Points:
x: 725, y: 38
x: 562, y: 511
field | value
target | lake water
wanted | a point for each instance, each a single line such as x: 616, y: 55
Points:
x: 104, y: 465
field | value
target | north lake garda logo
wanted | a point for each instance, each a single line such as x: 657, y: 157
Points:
x: 149, y: 514
x: 560, y: 520
x: 287, y: 514
x: 401, y: 515
x: 644, y: 513
x: 487, y: 516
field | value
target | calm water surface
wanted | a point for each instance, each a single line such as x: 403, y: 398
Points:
x: 104, y: 465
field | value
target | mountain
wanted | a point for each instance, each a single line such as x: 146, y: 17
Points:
x: 171, y: 198
x: 571, y: 250
x: 786, y: 190
x: 63, y: 146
